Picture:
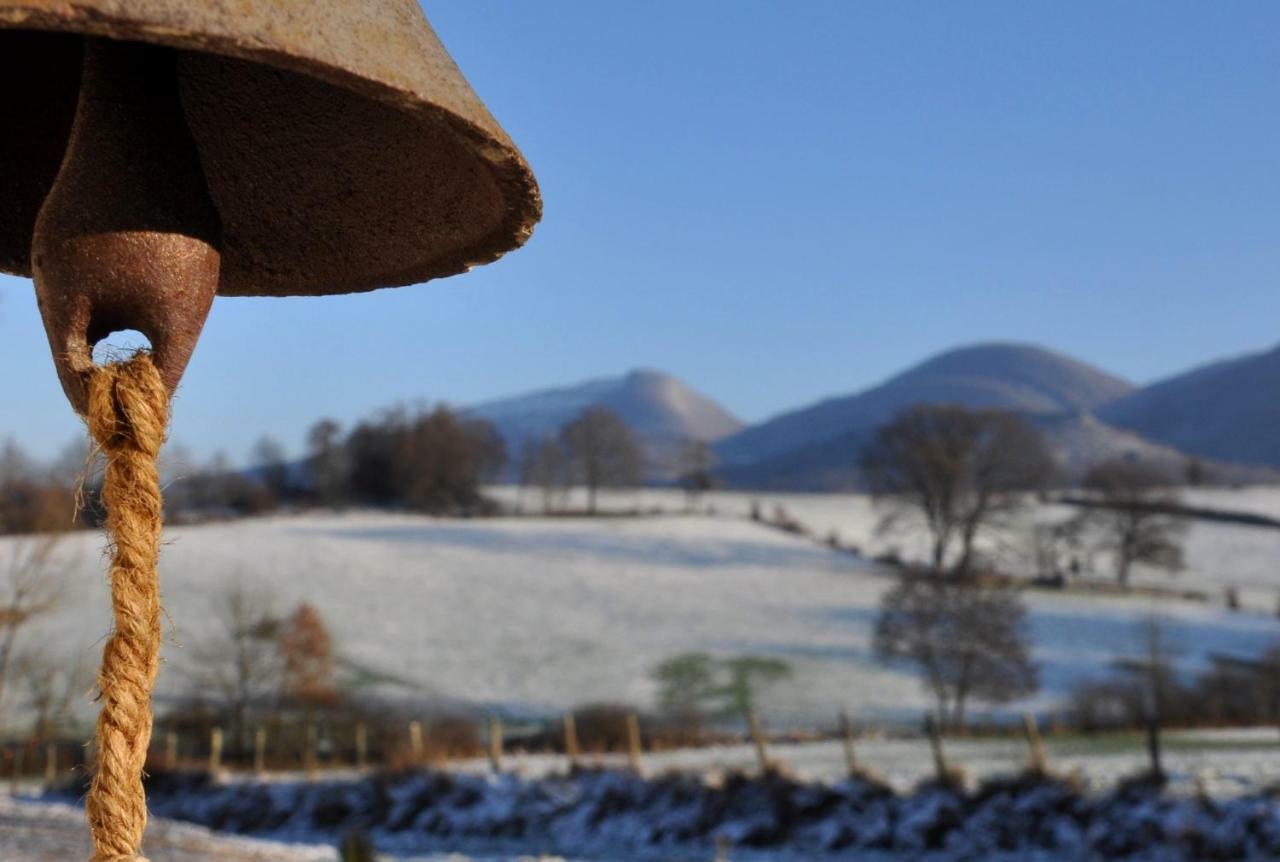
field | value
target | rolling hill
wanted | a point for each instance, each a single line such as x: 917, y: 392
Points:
x: 814, y: 447
x: 533, y: 616
x: 1228, y: 411
x: 664, y: 413
x: 1018, y: 377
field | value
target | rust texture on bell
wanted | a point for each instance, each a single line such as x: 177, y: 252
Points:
x: 291, y: 147
x: 127, y: 237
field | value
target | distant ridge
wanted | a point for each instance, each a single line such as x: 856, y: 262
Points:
x: 664, y: 413
x: 1228, y: 410
x: 1018, y: 377
x: 1226, y: 414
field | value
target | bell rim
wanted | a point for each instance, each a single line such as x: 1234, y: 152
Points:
x: 511, y: 172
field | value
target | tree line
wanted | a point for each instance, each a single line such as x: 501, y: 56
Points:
x: 428, y: 460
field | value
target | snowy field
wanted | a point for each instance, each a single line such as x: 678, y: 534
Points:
x: 1218, y: 555
x: 535, y: 615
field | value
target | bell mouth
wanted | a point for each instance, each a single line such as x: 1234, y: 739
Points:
x: 331, y: 172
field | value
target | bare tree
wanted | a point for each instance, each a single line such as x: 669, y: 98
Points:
x: 1157, y: 661
x: 205, y: 490
x: 240, y: 665
x: 961, y: 470
x: 226, y: 487
x: 326, y: 462
x: 1134, y: 516
x: 1195, y: 473
x: 603, y: 453
x: 544, y: 465
x: 79, y: 459
x: 1157, y: 670
x: 1050, y: 550
x: 30, y: 587
x: 31, y: 498
x: 444, y: 458
x: 430, y: 460
x: 489, y: 446
x: 374, y: 454
x: 14, y: 462
x: 969, y: 640
x: 51, y: 687
x: 176, y: 461
x: 270, y: 461
x: 1260, y: 680
x: 697, y: 462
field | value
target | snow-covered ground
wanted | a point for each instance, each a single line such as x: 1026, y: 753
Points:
x: 37, y: 831
x: 1257, y: 500
x: 542, y: 614
x: 56, y: 832
x: 1218, y: 554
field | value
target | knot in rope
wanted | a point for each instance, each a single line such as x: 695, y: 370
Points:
x: 128, y: 414
x: 128, y: 407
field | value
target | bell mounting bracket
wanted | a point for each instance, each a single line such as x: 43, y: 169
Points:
x: 128, y: 237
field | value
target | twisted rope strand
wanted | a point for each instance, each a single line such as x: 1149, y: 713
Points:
x: 128, y: 414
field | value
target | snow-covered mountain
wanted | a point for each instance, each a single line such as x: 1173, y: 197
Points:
x: 1228, y: 410
x: 662, y: 411
x: 1019, y: 377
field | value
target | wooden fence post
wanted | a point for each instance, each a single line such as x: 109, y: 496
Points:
x: 495, y: 743
x: 1153, y: 746
x: 19, y: 761
x: 415, y: 742
x: 1038, y: 762
x: 571, y: 747
x: 635, y: 748
x: 362, y: 746
x: 259, y: 749
x: 310, y: 762
x: 846, y: 737
x: 50, y: 765
x: 215, y: 750
x: 757, y: 738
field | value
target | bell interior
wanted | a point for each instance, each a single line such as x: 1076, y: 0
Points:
x: 319, y: 189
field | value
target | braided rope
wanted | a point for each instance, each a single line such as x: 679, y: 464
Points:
x: 128, y: 409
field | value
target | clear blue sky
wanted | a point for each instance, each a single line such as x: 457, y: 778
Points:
x: 780, y: 201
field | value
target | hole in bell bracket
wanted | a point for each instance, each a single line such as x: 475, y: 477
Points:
x: 119, y: 345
